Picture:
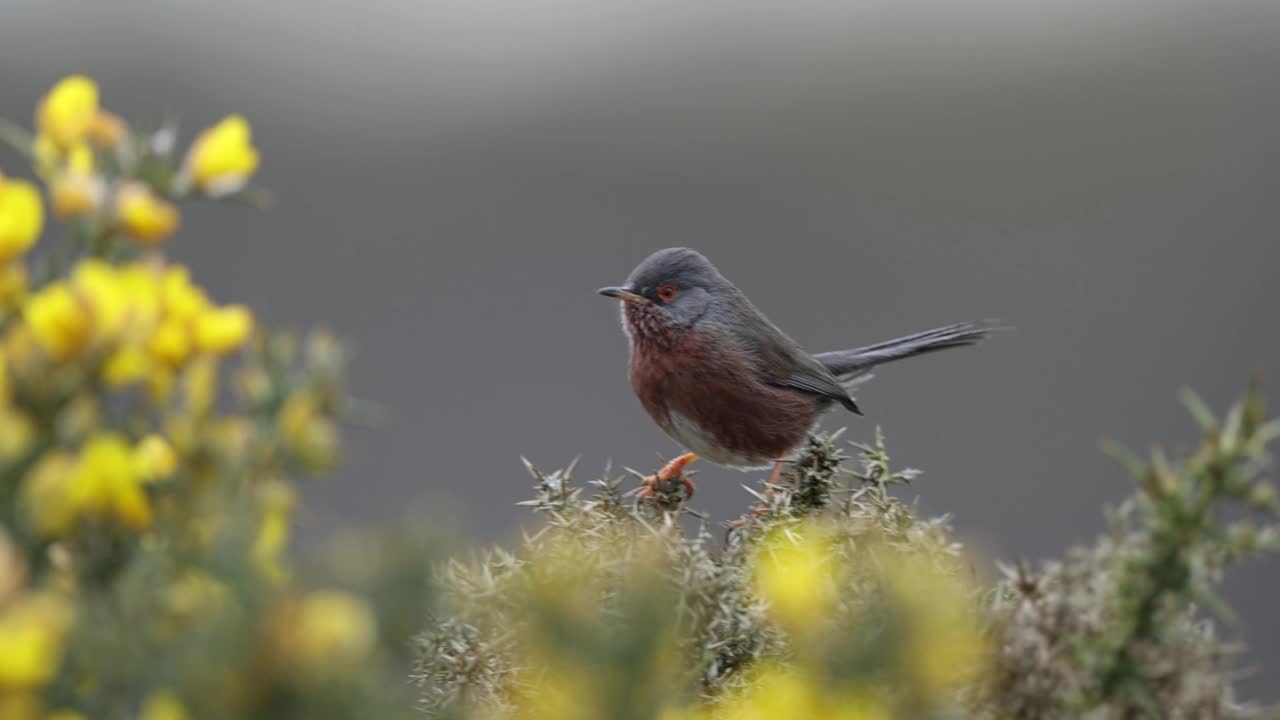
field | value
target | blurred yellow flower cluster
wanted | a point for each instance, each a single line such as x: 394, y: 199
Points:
x: 323, y: 632
x: 797, y: 572
x: 576, y: 664
x: 930, y: 645
x: 139, y: 503
x: 944, y: 646
x: 805, y: 573
x: 104, y: 482
x: 144, y: 319
x: 865, y: 629
x: 74, y: 135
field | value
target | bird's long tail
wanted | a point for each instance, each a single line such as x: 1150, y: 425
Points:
x: 851, y: 365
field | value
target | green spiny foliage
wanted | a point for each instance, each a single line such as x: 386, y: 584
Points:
x: 1119, y: 630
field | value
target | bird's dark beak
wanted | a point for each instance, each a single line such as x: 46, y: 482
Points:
x: 623, y: 294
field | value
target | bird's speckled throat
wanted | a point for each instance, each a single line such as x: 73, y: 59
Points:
x: 646, y: 325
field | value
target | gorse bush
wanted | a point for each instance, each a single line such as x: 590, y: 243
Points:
x: 1119, y: 629
x: 153, y: 443
x: 832, y: 599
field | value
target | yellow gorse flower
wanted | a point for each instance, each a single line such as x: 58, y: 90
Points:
x: 163, y: 705
x: 32, y: 630
x: 222, y: 330
x: 80, y: 159
x: 106, y: 483
x: 21, y: 217
x: 98, y: 288
x: 17, y: 434
x: 182, y: 299
x: 277, y: 500
x: 74, y: 189
x: 75, y: 195
x: 567, y: 693
x: 68, y: 120
x: 13, y: 285
x: 107, y: 130
x: 126, y: 366
x: 795, y: 574
x: 45, y: 496
x: 782, y: 692
x: 59, y: 323
x: 222, y: 158
x: 6, y: 385
x: 67, y: 113
x: 144, y: 216
x: 171, y: 343
x: 200, y: 384
x: 945, y: 645
x: 308, y: 432
x: 46, y: 156
x: 154, y: 458
x: 194, y: 593
x: 102, y: 483
x: 327, y: 630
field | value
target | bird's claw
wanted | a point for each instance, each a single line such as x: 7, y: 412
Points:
x: 674, y: 470
x: 665, y: 483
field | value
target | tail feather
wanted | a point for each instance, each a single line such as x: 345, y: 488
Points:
x: 851, y: 364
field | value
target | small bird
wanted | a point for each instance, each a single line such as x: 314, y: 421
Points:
x: 723, y: 381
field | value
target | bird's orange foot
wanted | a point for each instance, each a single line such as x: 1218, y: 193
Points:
x: 665, y: 483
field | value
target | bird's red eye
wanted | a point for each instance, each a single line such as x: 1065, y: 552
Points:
x: 667, y: 293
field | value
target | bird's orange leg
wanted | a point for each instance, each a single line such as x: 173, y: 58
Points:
x: 758, y: 509
x: 777, y: 472
x: 671, y: 472
x: 774, y: 477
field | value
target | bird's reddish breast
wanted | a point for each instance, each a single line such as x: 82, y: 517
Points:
x: 702, y: 395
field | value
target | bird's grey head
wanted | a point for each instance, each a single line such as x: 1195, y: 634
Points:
x: 675, y: 287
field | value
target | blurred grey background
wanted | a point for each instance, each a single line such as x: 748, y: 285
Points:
x: 456, y: 179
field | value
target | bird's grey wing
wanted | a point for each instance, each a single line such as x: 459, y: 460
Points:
x: 812, y: 377
x: 784, y: 363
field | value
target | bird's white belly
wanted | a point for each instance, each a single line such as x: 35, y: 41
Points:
x: 687, y: 433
